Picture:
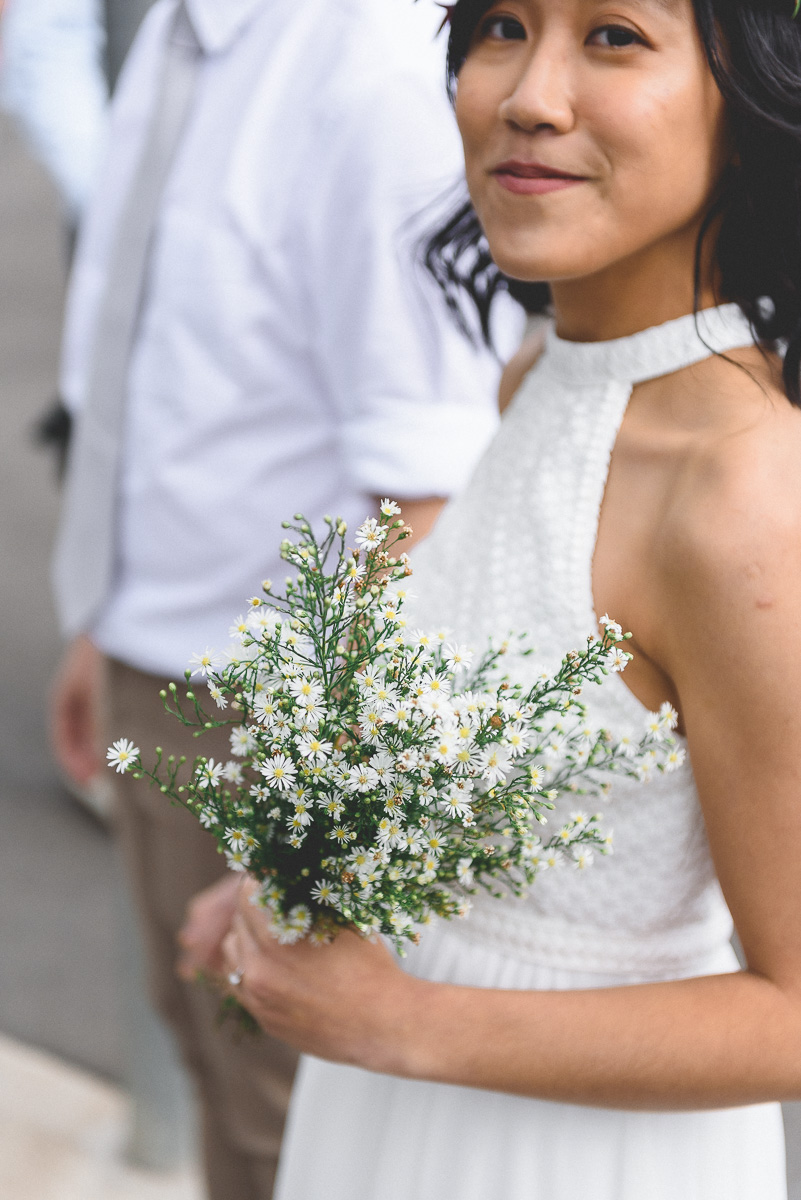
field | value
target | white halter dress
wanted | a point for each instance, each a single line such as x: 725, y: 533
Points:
x: 514, y: 552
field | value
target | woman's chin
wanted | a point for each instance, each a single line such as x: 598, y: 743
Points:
x: 528, y: 267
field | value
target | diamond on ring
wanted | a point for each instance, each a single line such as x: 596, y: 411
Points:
x: 235, y: 978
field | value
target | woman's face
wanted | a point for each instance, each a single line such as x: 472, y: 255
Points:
x: 594, y: 133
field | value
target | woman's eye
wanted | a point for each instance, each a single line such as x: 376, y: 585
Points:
x: 503, y: 29
x: 616, y: 37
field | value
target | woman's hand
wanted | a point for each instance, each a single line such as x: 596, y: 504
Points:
x: 347, y: 1001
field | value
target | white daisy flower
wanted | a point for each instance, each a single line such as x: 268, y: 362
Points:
x: 554, y: 746
x: 122, y: 755
x: 264, y: 622
x: 325, y: 892
x: 444, y: 749
x: 242, y: 741
x: 383, y: 694
x: 668, y: 716
x: 457, y: 806
x: 656, y: 727
x: 626, y: 747
x: 389, y: 508
x: 331, y: 805
x: 494, y: 763
x: 537, y: 777
x: 342, y: 834
x: 434, y: 842
x: 458, y: 658
x: 305, y: 689
x: 354, y: 571
x: 371, y: 722
x: 237, y: 839
x: 360, y: 859
x: 400, y: 921
x: 239, y: 629
x: 464, y: 871
x: 517, y: 739
x: 398, y: 713
x: 310, y: 747
x: 361, y: 778
x: 394, y: 802
x: 232, y: 773
x: 237, y: 860
x: 384, y: 766
x: 390, y: 613
x: 412, y: 840
x: 674, y: 759
x: 390, y: 833
x: 435, y: 704
x: 208, y: 774
x: 203, y: 664
x: 217, y: 696
x: 611, y: 627
x: 266, y: 708
x: 583, y: 857
x: 369, y: 679
x: 280, y: 771
x: 370, y: 535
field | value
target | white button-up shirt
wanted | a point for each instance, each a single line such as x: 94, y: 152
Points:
x: 292, y: 356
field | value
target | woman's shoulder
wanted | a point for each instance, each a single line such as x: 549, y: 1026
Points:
x: 734, y: 506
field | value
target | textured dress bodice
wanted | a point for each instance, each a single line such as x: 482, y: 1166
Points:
x: 514, y: 553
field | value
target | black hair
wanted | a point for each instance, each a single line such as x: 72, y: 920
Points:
x: 754, y: 51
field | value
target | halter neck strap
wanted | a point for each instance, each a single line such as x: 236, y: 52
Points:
x: 651, y: 353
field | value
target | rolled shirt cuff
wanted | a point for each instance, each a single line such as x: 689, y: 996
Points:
x: 414, y: 451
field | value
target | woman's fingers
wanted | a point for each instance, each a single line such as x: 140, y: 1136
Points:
x: 255, y: 918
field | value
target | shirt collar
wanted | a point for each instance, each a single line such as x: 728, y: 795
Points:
x: 218, y: 22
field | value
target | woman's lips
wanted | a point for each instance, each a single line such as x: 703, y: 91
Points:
x: 533, y: 179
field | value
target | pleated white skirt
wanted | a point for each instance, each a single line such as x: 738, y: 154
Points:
x: 354, y: 1135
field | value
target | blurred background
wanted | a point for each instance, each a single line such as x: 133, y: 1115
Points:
x: 93, y: 1105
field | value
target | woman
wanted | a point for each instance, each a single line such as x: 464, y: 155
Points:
x: 642, y: 158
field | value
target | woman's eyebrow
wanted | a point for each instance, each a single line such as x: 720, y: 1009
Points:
x: 670, y: 6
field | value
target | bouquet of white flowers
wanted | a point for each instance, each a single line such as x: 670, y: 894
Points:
x: 380, y: 775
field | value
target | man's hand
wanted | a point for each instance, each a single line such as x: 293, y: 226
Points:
x: 75, y: 702
x: 208, y: 920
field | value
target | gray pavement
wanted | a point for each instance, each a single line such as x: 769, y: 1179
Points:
x: 58, y: 958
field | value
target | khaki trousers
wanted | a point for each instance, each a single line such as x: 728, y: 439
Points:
x: 243, y: 1082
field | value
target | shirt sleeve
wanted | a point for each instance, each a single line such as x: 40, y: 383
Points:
x: 417, y: 404
x: 52, y: 82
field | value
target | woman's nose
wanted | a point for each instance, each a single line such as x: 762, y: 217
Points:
x: 544, y: 96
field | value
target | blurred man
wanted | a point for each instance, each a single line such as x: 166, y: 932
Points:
x: 248, y: 336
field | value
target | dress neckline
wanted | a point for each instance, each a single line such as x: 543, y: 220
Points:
x: 649, y: 354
